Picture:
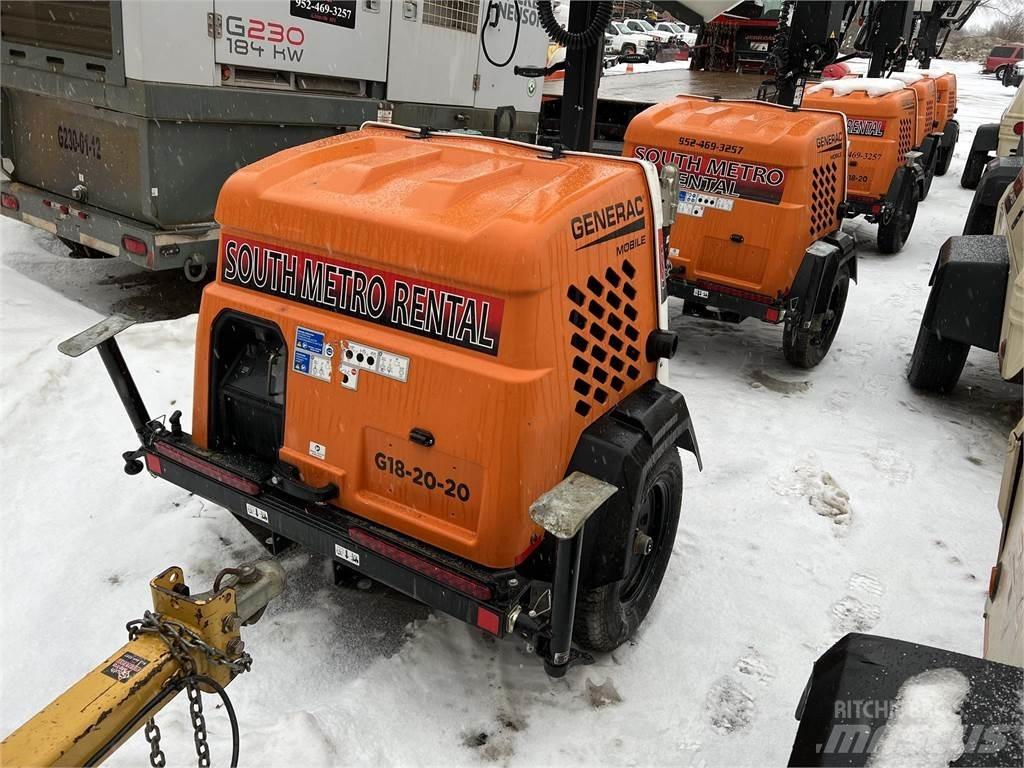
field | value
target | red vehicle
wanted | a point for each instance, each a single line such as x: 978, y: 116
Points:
x: 1001, y: 57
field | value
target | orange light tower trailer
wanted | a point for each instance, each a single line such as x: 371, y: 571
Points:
x: 439, y: 360
x: 756, y: 233
x: 886, y: 178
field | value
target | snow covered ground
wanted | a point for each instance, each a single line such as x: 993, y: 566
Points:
x: 832, y: 501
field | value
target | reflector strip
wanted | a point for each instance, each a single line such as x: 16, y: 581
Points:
x: 421, y: 565
x: 487, y: 620
x: 153, y: 464
x: 208, y: 469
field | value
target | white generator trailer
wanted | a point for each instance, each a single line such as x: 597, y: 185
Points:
x: 121, y: 120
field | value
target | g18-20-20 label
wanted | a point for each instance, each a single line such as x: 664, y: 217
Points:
x: 422, y: 477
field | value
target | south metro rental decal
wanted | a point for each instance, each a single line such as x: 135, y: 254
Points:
x: 720, y: 175
x: 857, y: 126
x: 462, y: 318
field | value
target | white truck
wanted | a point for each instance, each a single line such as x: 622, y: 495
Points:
x: 620, y: 39
x: 644, y: 27
x: 682, y: 34
x: 122, y: 119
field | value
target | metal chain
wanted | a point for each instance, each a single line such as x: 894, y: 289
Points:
x: 156, y: 754
x: 195, y: 710
x: 181, y: 640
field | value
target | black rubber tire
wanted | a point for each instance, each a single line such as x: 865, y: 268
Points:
x: 973, y: 168
x: 628, y: 49
x: 929, y: 177
x: 804, y: 349
x: 937, y: 363
x: 1000, y: 72
x: 943, y: 161
x: 609, y: 615
x: 893, y: 234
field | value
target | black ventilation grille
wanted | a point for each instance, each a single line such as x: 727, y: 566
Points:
x: 824, y: 198
x: 603, y: 338
x: 906, y: 136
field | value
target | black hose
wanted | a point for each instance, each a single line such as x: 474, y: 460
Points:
x: 493, y: 5
x: 574, y: 40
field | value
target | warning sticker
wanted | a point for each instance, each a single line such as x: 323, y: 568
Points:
x: 260, y: 514
x: 125, y: 667
x: 346, y: 554
x: 309, y: 340
x: 317, y: 366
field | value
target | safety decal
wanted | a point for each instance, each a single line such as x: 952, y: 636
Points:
x: 260, y: 514
x: 308, y: 340
x: 125, y: 667
x: 309, y: 364
x: 721, y: 176
x: 346, y: 554
x: 462, y: 318
x: 337, y: 13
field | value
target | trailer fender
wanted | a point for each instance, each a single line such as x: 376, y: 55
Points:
x: 968, y: 290
x: 986, y: 138
x: 818, y: 269
x: 620, y: 448
x: 998, y: 175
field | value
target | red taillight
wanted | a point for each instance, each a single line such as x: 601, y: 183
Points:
x: 1018, y: 127
x: 134, y: 245
x: 421, y: 565
x: 153, y: 464
x: 208, y: 469
x: 771, y: 315
x: 488, y: 620
x: 10, y: 202
x: 876, y: 209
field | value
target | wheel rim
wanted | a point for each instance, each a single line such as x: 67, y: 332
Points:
x: 651, y: 522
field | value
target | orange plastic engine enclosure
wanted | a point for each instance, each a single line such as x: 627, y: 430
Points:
x: 759, y: 183
x: 926, y: 106
x: 945, y: 100
x: 506, y: 297
x: 882, y: 131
